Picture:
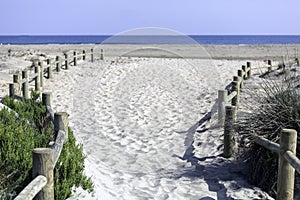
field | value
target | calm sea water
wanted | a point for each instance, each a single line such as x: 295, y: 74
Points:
x: 193, y: 39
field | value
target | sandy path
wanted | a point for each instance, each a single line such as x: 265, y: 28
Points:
x: 133, y: 116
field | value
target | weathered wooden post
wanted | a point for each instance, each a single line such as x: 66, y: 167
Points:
x: 269, y: 65
x: 249, y: 68
x: 47, y: 99
x: 9, y: 52
x: 92, y: 55
x: 17, y: 78
x: 101, y: 55
x: 49, y: 69
x: 12, y: 90
x: 75, y: 58
x: 61, y: 122
x: 286, y: 173
x: 237, y: 79
x: 222, y: 99
x: 37, y: 78
x: 244, y: 68
x: 235, y: 88
x: 66, y: 61
x: 83, y: 54
x: 241, y: 75
x: 17, y: 84
x: 297, y: 62
x: 269, y: 62
x: 229, y: 140
x: 42, y: 164
x: 41, y: 64
x: 58, y: 63
x: 25, y: 88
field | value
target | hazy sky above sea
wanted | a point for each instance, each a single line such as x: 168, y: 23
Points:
x: 108, y: 17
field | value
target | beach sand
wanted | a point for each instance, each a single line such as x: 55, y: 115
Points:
x: 137, y: 117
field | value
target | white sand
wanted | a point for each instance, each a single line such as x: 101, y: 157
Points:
x: 137, y: 120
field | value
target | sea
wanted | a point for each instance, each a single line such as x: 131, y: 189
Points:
x: 151, y: 39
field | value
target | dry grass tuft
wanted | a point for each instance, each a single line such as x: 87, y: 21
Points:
x: 276, y: 107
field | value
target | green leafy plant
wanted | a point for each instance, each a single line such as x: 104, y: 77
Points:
x: 69, y: 170
x: 20, y: 134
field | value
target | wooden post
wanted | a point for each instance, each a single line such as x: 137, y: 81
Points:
x: 41, y: 64
x: 101, y: 55
x: 237, y: 78
x: 269, y: 65
x: 245, y: 72
x: 297, y: 62
x: 12, y: 90
x: 47, y: 99
x: 16, y: 78
x: 25, y: 88
x: 42, y: 164
x: 66, y: 61
x: 37, y: 78
x: 83, y: 54
x: 17, y: 84
x: 49, y: 69
x: 235, y: 100
x: 241, y: 75
x: 249, y: 68
x: 75, y: 58
x: 58, y: 63
x: 92, y: 55
x: 222, y: 95
x: 269, y: 62
x: 35, y: 62
x: 61, y: 122
x: 229, y: 141
x: 286, y: 173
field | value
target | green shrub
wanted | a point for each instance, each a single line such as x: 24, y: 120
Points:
x: 69, y: 170
x: 20, y: 135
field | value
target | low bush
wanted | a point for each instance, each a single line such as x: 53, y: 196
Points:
x: 20, y: 134
x: 69, y: 170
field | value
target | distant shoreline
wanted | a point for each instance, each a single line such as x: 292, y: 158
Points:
x: 230, y: 52
x: 151, y: 39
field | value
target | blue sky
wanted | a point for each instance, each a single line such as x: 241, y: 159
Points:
x: 200, y: 17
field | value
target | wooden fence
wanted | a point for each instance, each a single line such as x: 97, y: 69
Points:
x: 228, y: 104
x: 44, y: 160
x: 42, y: 69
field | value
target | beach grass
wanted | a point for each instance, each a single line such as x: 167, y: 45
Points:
x: 276, y: 107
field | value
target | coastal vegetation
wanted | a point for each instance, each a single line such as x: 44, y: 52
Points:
x: 30, y: 128
x: 274, y: 106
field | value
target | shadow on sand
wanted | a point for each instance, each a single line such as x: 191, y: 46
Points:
x: 215, y: 169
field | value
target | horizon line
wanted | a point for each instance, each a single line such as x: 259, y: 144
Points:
x: 151, y: 35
